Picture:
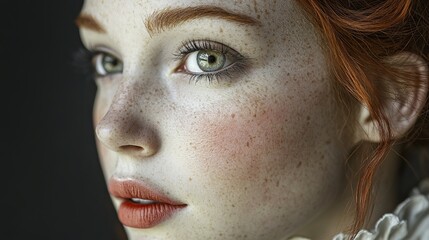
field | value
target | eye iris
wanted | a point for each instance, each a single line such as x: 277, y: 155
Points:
x: 210, y: 61
x: 111, y: 64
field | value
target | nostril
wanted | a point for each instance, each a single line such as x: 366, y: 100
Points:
x: 144, y: 151
x: 132, y: 148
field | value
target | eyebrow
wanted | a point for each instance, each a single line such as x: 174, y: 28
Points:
x: 89, y: 22
x: 172, y: 17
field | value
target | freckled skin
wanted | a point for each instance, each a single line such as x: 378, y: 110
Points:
x: 254, y: 157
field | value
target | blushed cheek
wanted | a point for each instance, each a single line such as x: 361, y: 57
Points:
x: 265, y: 162
x: 237, y: 145
x: 266, y: 139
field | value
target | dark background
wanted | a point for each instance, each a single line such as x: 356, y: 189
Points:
x: 53, y: 187
x: 51, y: 181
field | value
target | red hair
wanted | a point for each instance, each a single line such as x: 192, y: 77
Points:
x: 359, y: 36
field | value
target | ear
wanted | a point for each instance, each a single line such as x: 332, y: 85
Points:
x: 404, y: 103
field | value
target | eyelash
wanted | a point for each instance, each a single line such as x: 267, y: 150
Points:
x: 83, y: 61
x: 238, y: 67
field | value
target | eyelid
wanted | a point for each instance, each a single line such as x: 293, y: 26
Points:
x: 203, y: 44
x: 104, y: 49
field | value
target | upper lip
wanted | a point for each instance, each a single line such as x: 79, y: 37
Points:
x: 131, y: 188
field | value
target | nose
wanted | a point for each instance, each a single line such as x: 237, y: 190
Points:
x: 125, y: 130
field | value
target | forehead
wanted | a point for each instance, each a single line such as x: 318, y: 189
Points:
x: 136, y: 12
x: 125, y: 21
x: 253, y: 7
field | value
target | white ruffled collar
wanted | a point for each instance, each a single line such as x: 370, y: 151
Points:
x: 410, y: 220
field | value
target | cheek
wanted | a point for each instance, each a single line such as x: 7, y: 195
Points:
x: 244, y: 140
x: 240, y: 140
x: 279, y: 158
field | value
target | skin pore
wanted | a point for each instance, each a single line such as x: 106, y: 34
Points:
x: 258, y: 153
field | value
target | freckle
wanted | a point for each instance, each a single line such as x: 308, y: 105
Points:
x: 299, y: 165
x: 308, y: 118
x: 247, y: 144
x: 288, y: 74
x: 233, y: 115
x: 322, y: 157
x: 221, y: 30
x: 190, y: 179
x: 277, y: 183
x: 328, y: 142
x: 258, y: 16
x: 233, y: 205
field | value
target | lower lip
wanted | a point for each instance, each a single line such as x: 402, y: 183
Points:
x: 145, y: 215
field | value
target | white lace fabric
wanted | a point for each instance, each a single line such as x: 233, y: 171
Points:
x: 410, y: 220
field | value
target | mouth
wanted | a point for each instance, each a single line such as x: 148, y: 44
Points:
x: 141, y: 206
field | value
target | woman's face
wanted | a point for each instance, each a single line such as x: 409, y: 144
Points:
x: 228, y: 114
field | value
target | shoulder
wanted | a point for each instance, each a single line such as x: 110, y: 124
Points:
x: 409, y: 221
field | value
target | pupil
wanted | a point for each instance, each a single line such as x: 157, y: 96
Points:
x: 111, y: 61
x: 211, y: 59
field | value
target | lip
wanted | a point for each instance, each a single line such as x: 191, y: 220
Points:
x: 138, y: 215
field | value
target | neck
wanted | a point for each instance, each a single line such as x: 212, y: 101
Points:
x: 340, y: 215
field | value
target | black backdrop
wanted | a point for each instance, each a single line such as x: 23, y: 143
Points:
x: 53, y: 187
x: 51, y: 182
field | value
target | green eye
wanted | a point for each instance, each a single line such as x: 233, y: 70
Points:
x: 204, y: 58
x: 106, y: 64
x: 210, y: 61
